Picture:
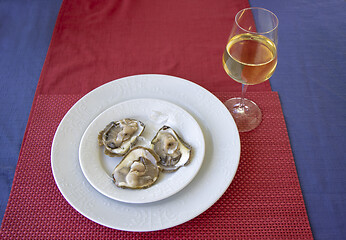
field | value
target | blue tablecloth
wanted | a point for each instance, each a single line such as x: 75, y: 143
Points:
x: 310, y: 79
x: 26, y: 29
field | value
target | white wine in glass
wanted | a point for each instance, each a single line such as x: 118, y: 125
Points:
x: 250, y: 57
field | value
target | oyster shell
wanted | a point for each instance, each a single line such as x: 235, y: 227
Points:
x: 171, y: 149
x: 138, y: 169
x: 118, y: 137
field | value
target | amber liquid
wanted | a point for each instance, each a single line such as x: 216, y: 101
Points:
x: 250, y: 59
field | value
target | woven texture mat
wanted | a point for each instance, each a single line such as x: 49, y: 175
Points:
x: 263, y: 201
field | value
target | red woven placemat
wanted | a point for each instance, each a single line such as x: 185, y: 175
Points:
x: 263, y: 201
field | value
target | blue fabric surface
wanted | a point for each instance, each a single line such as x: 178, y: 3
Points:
x: 310, y: 79
x: 25, y: 32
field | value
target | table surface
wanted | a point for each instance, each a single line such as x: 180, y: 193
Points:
x: 309, y: 80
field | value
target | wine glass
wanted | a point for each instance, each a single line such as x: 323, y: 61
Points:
x: 250, y: 58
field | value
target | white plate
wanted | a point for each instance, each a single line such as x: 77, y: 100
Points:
x: 154, y: 113
x: 222, y: 152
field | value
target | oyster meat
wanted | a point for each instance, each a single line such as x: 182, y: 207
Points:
x: 118, y: 137
x: 138, y: 169
x: 171, y: 149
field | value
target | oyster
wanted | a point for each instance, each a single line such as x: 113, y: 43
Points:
x: 138, y: 169
x: 172, y: 150
x: 118, y: 137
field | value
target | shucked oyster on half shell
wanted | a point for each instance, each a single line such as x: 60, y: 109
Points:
x: 172, y: 150
x: 138, y: 169
x: 118, y: 137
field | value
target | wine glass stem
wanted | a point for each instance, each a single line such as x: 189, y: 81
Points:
x: 243, y: 91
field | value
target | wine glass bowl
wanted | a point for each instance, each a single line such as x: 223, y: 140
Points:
x: 250, y: 57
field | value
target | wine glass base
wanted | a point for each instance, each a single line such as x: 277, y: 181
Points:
x: 248, y: 117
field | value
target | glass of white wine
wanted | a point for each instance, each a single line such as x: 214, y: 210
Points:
x: 250, y: 58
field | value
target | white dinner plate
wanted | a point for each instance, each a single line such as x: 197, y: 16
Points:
x: 154, y: 113
x: 221, y: 159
